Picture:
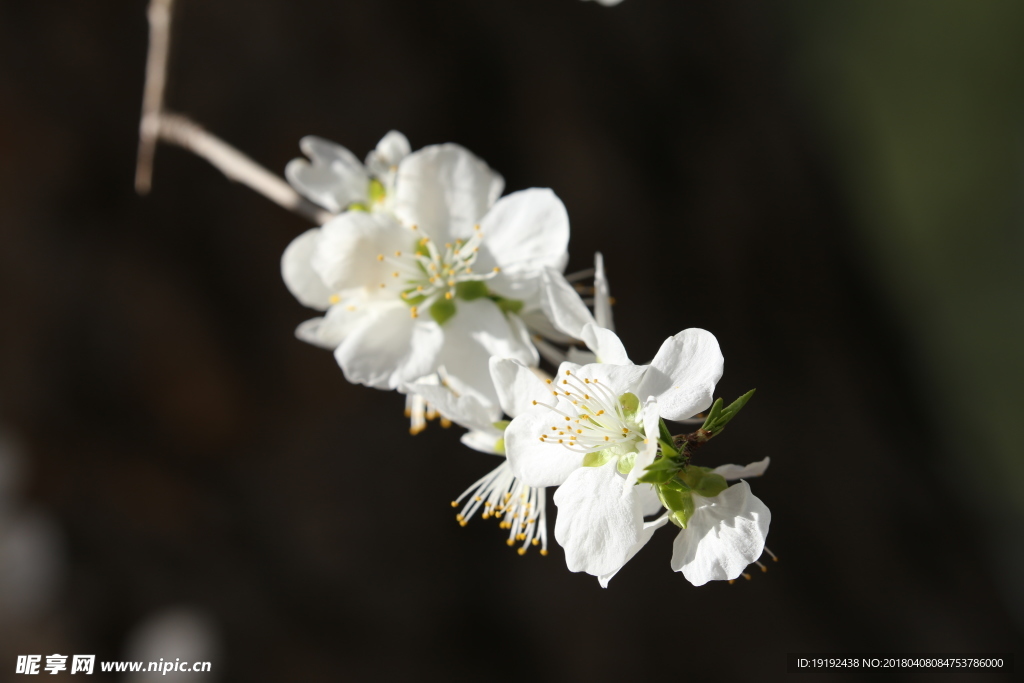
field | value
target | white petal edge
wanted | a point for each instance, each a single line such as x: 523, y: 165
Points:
x: 754, y: 469
x: 725, y: 534
x: 597, y: 525
x: 302, y: 281
x: 645, y: 535
x: 684, y: 373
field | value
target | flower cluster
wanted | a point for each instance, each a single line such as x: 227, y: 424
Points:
x: 433, y: 284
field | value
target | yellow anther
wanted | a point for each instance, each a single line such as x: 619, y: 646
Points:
x: 398, y: 253
x: 606, y: 438
x: 380, y: 257
x: 764, y: 568
x: 568, y: 372
x: 448, y: 295
x: 534, y: 403
x: 566, y: 418
x: 554, y: 393
x: 476, y: 227
x: 413, y: 227
x: 544, y: 552
x: 382, y: 285
x: 496, y: 269
x: 510, y: 542
x: 446, y: 423
x: 586, y: 397
x: 746, y: 576
x: 477, y: 498
x: 547, y: 381
x: 459, y: 518
x: 394, y: 274
x: 451, y: 283
x: 334, y: 299
x: 447, y: 245
x: 732, y: 581
x: 350, y: 308
x: 586, y: 381
x: 535, y: 541
x: 463, y: 523
x: 520, y: 537
x: 455, y: 503
x: 415, y: 312
x: 600, y: 412
x: 485, y: 515
x: 565, y: 381
x: 521, y: 551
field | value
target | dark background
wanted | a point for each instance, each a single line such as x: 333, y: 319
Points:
x: 833, y: 189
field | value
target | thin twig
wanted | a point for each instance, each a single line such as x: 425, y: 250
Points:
x: 159, y: 14
x: 180, y: 130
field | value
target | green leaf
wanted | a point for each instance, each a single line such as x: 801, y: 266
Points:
x: 442, y: 310
x: 597, y: 458
x: 474, y: 289
x: 716, y: 410
x: 664, y: 435
x: 727, y: 413
x: 667, y: 449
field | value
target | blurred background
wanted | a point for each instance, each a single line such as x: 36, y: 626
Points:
x: 836, y: 190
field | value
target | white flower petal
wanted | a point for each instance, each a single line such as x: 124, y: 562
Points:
x: 619, y: 379
x: 605, y: 344
x: 335, y: 179
x: 725, y: 534
x: 647, y: 450
x: 754, y: 469
x: 650, y: 504
x: 580, y: 356
x: 467, y: 411
x: 346, y: 255
x: 534, y: 462
x: 482, y: 441
x: 330, y: 331
x: 645, y: 535
x: 602, y: 296
x: 391, y: 149
x: 297, y: 270
x: 389, y: 348
x: 518, y: 386
x: 525, y: 232
x: 683, y: 374
x: 539, y: 324
x: 597, y: 524
x: 562, y: 305
x: 445, y: 190
x: 478, y: 331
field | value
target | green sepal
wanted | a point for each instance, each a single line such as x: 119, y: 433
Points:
x: 703, y: 481
x: 502, y: 425
x: 626, y: 463
x: 660, y: 471
x: 358, y: 206
x: 630, y: 405
x: 499, y: 446
x: 597, y: 458
x: 508, y: 305
x: 676, y: 484
x: 377, y: 191
x: 679, y: 504
x: 442, y: 310
x: 473, y: 289
x: 667, y: 449
x: 664, y: 434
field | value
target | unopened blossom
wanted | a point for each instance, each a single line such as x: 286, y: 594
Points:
x: 499, y: 494
x: 436, y: 282
x: 590, y: 434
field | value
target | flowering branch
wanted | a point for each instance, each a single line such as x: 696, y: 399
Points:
x: 158, y: 124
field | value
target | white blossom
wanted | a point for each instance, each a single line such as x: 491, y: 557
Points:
x: 590, y: 435
x: 435, y: 280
